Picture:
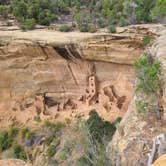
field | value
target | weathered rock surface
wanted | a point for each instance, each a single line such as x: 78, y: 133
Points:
x: 161, y: 161
x: 13, y: 162
x: 159, y: 51
x: 29, y: 67
x: 57, y: 65
x: 132, y: 142
x: 41, y: 68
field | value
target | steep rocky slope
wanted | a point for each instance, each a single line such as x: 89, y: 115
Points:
x: 132, y: 144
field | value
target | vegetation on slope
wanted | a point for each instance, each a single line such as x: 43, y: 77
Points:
x: 8, y: 141
x: 89, y: 142
x: 79, y: 144
x: 89, y: 14
x: 149, y: 84
x: 148, y: 71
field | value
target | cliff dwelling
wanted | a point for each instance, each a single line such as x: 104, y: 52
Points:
x: 66, y: 80
x: 82, y: 82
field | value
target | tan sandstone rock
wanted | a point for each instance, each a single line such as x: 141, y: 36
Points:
x: 57, y: 66
x: 13, y: 162
x: 132, y: 141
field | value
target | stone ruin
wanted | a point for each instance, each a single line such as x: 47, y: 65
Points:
x: 108, y: 97
x: 91, y: 92
x: 47, y: 106
x: 94, y: 94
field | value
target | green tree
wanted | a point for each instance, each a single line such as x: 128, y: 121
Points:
x: 148, y: 72
x: 28, y: 24
x: 4, y: 11
x: 99, y: 128
x: 158, y: 12
x: 4, y: 144
x: 120, y: 12
x: 143, y: 10
x: 149, y: 84
x: 44, y: 18
x: 20, y: 9
x: 19, y: 151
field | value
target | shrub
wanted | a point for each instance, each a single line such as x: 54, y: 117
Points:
x: 98, y: 127
x: 77, y: 17
x: 122, y: 21
x: 149, y: 83
x: 112, y: 29
x: 102, y: 23
x: 92, y: 146
x: 37, y: 119
x: 141, y: 106
x: 58, y: 126
x: 4, y: 11
x: 65, y: 28
x: 13, y: 131
x: 19, y: 151
x: 26, y: 133
x: 158, y: 11
x: 68, y: 121
x: 28, y: 24
x: 53, y: 129
x: 49, y: 139
x: 146, y: 40
x: 63, y: 155
x: 148, y: 72
x: 52, y: 146
x: 23, y: 27
x: 7, y: 137
x: 118, y: 120
x: 143, y: 10
x: 51, y: 151
x: 93, y: 29
x: 45, y: 17
x: 82, y: 161
x: 53, y: 126
x: 85, y: 28
x: 90, y: 141
x: 29, y: 135
x: 4, y: 142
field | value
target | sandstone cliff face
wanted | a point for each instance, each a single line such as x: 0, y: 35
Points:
x: 57, y: 66
x: 133, y: 140
x: 13, y: 162
x: 50, y: 75
x: 30, y: 66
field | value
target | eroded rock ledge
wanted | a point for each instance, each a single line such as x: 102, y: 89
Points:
x: 39, y: 65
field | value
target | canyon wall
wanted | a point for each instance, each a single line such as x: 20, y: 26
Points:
x: 133, y: 141
x: 51, y: 64
x: 57, y: 70
x: 39, y: 73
